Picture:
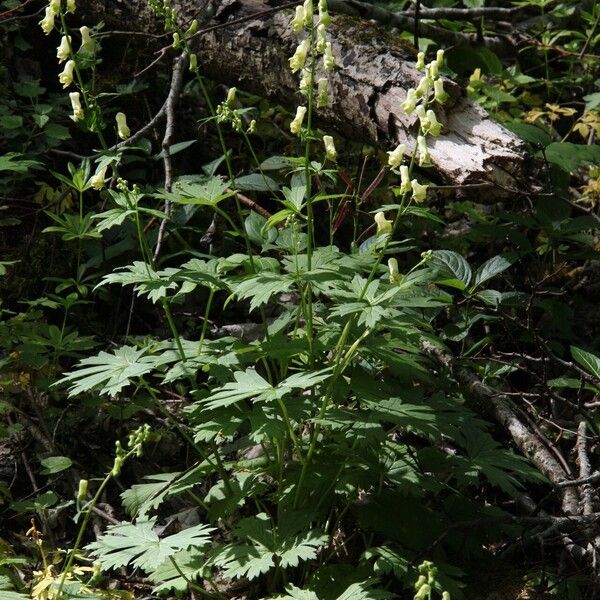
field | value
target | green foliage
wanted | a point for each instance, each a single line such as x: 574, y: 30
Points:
x: 306, y: 443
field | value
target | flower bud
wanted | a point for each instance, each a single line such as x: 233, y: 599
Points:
x: 251, y: 127
x: 322, y: 92
x: 231, y: 96
x: 47, y: 23
x: 424, y: 158
x: 176, y: 41
x: 193, y: 28
x: 193, y: 63
x: 122, y: 129
x: 87, y: 43
x: 78, y: 113
x: 71, y: 6
x: 383, y: 225
x: 395, y: 277
x: 330, y: 151
x: 395, y: 156
x: 419, y: 191
x: 405, y: 186
x: 439, y: 94
x: 66, y: 77
x: 64, y: 49
x: 420, y: 61
x: 55, y: 7
x: 298, y: 20
x: 296, y: 124
x: 433, y: 70
x: 305, y: 81
x: 298, y: 60
x: 83, y: 490
x: 423, y: 593
x: 439, y: 58
x: 408, y: 106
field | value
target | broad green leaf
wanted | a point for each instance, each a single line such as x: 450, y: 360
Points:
x: 256, y: 182
x: 55, y: 464
x: 247, y: 384
x: 260, y: 288
x: 589, y: 361
x: 138, y: 545
x: 364, y: 591
x: 570, y: 157
x: 494, y: 266
x: 13, y: 162
x: 175, y: 149
x: 453, y: 265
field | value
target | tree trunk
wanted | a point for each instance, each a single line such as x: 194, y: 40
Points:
x: 374, y: 70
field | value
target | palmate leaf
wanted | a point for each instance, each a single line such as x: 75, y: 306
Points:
x: 138, y: 545
x: 259, y: 288
x: 108, y: 373
x: 189, y: 563
x: 249, y: 384
x: 262, y: 548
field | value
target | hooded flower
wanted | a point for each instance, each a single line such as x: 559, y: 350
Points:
x: 419, y: 191
x: 330, y: 151
x: 321, y: 38
x: 322, y: 92
x: 439, y: 94
x: 97, y: 180
x: 298, y: 20
x: 87, y: 43
x: 193, y: 63
x: 71, y: 6
x: 424, y: 158
x: 424, y: 86
x: 122, y: 128
x: 55, y: 6
x: 395, y: 276
x: 408, y: 106
x: 78, y: 113
x: 328, y: 60
x: 434, y: 126
x: 66, y: 77
x: 308, y: 12
x: 47, y: 23
x: 296, y: 124
x: 383, y: 225
x: 405, y: 186
x: 298, y: 60
x: 64, y: 49
x: 395, y: 156
x: 420, y: 61
x: 439, y: 58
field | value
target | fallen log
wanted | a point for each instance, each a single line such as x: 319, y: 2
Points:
x: 247, y: 44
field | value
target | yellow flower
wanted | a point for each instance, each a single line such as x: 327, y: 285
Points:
x: 299, y: 58
x: 308, y: 12
x: 321, y: 38
x: 395, y: 276
x: 296, y: 124
x: 298, y: 20
x: 395, y: 156
x: 97, y: 180
x: 47, y: 23
x: 439, y: 93
x: 439, y: 58
x: 122, y: 128
x: 424, y: 86
x: 420, y: 61
x: 330, y: 151
x: 409, y: 105
x: 419, y: 191
x: 328, y: 60
x: 87, y: 43
x: 322, y: 92
x: 66, y: 77
x: 434, y: 126
x: 82, y: 490
x: 64, y: 49
x: 405, y: 186
x: 383, y: 225
x: 193, y: 63
x: 55, y: 6
x: 78, y: 113
x: 424, y: 158
x: 71, y: 6
x: 231, y: 96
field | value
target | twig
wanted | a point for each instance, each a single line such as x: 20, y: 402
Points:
x: 170, y: 103
x: 585, y: 469
x: 466, y: 14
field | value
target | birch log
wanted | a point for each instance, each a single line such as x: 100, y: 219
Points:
x: 250, y: 48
